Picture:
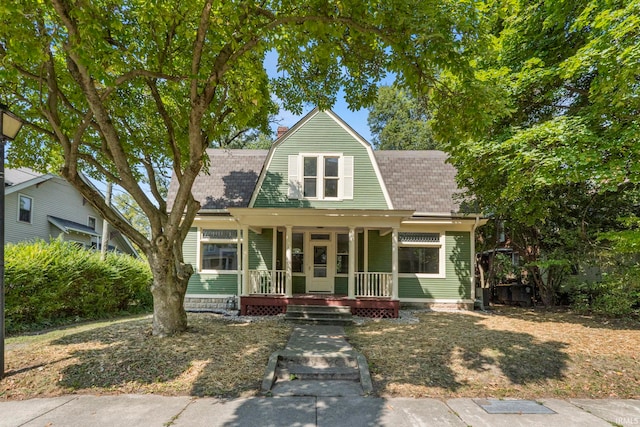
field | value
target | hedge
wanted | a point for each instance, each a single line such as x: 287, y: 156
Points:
x: 50, y: 283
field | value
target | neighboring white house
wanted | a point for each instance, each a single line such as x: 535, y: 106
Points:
x: 45, y: 206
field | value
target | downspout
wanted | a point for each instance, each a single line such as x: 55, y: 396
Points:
x: 473, y: 260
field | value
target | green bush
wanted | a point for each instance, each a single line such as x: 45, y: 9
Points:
x: 57, y: 282
x: 617, y: 295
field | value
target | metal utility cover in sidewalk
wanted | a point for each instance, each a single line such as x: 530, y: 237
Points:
x: 496, y: 406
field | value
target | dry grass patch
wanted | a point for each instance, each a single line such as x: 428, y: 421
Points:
x: 509, y: 353
x: 213, y: 358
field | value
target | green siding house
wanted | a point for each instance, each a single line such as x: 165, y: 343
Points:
x: 321, y: 218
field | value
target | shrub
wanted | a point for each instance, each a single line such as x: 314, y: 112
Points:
x: 57, y: 282
x: 617, y: 295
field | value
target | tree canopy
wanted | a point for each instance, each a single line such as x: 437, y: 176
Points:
x: 398, y: 121
x: 569, y: 71
x: 123, y: 89
x: 561, y: 161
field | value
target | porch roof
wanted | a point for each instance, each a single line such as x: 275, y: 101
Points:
x: 269, y: 217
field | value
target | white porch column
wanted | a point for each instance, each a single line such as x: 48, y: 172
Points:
x: 245, y: 260
x: 274, y: 255
x: 352, y: 263
x: 394, y: 263
x: 239, y: 247
x: 288, y: 284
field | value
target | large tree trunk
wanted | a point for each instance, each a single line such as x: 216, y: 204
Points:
x: 170, y: 278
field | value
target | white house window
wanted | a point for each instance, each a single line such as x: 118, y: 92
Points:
x: 91, y: 223
x: 219, y: 250
x: 25, y: 207
x: 421, y: 253
x: 331, y: 176
x: 327, y: 176
x: 297, y: 252
x: 310, y: 179
x: 342, y: 254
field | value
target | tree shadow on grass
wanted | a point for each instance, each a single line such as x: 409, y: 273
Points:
x: 565, y: 315
x: 213, y: 357
x: 123, y: 353
x: 448, y: 351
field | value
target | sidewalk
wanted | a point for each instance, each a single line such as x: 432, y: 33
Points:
x: 149, y: 410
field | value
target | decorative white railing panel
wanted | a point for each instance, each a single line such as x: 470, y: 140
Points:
x: 267, y: 281
x: 373, y: 284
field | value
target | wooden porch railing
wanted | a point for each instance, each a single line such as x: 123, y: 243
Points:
x: 373, y: 284
x: 367, y: 284
x: 267, y: 281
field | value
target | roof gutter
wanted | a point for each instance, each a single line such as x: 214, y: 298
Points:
x: 475, y: 216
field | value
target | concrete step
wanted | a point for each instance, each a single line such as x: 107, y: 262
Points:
x: 319, y: 315
x: 318, y: 374
x: 328, y: 360
x: 320, y: 321
x: 318, y: 309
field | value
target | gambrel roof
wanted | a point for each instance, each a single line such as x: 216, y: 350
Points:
x: 416, y: 180
x: 419, y: 180
x: 230, y: 181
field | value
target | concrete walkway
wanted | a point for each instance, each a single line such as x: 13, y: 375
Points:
x: 324, y: 406
x: 323, y: 358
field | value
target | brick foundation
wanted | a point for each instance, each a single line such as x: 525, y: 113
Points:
x: 205, y: 304
x: 463, y: 306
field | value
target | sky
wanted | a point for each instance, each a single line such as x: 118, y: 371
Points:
x: 356, y: 119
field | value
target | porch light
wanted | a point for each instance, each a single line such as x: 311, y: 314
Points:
x: 10, y: 125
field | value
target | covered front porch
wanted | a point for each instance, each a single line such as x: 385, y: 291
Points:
x: 318, y: 257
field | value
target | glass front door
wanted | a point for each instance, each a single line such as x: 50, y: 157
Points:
x: 320, y: 277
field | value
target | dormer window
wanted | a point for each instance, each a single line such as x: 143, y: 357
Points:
x: 310, y: 177
x: 331, y: 176
x: 321, y: 176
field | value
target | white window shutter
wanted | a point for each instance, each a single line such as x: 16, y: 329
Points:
x: 347, y: 177
x: 294, y: 177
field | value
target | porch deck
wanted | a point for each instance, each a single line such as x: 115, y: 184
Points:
x: 271, y: 305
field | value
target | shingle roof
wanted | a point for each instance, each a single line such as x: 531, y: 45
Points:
x: 67, y: 226
x: 19, y: 175
x: 416, y: 180
x: 232, y: 177
x: 419, y: 180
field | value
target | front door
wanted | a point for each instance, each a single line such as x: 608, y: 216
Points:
x: 320, y: 274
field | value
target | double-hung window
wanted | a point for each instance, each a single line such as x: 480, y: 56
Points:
x: 342, y: 254
x: 310, y: 177
x: 218, y: 250
x: 25, y: 208
x: 421, y: 253
x: 321, y: 176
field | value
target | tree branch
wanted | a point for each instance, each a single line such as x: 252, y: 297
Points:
x: 153, y: 183
x: 177, y: 157
x: 82, y: 76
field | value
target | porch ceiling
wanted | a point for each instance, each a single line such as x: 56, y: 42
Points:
x: 269, y: 217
